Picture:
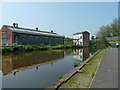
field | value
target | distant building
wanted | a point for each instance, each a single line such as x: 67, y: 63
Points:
x: 25, y: 36
x: 81, y: 38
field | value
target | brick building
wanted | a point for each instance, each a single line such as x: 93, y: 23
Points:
x: 81, y: 38
x: 25, y: 36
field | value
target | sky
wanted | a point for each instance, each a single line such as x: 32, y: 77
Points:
x: 64, y: 18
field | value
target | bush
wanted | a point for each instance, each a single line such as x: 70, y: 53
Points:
x: 76, y: 64
x: 6, y: 49
x: 60, y: 76
x: 101, y: 44
x: 27, y: 47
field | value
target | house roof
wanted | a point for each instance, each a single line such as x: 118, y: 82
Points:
x: 31, y: 31
x: 81, y: 32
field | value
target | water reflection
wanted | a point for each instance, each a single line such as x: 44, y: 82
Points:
x: 23, y: 60
x: 20, y: 70
x: 81, y: 54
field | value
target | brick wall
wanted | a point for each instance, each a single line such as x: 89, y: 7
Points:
x: 6, y: 36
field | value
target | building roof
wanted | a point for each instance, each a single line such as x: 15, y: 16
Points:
x: 81, y: 32
x: 31, y: 31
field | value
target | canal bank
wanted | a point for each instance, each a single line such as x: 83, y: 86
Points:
x: 39, y: 69
x: 15, y: 47
x: 81, y: 76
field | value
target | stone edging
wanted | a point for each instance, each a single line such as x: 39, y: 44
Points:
x: 67, y: 76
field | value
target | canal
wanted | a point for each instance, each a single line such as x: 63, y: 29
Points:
x: 39, y: 69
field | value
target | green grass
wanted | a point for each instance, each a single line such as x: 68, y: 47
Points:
x: 83, y: 79
x: 113, y: 40
x: 37, y: 47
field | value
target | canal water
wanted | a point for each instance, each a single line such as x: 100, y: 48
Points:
x: 39, y: 69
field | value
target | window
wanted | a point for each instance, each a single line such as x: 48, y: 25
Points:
x: 80, y: 37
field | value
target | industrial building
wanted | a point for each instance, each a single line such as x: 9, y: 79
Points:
x: 25, y: 36
x: 81, y: 38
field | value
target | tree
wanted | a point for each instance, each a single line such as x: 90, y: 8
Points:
x: 109, y: 30
x: 103, y: 32
x: 92, y: 38
x: 114, y: 27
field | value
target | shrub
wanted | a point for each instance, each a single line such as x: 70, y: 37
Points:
x: 60, y: 76
x: 76, y: 64
x: 27, y: 47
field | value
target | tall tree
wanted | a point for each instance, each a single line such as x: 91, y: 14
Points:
x: 109, y: 30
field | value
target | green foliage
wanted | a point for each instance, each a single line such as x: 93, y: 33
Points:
x: 14, y: 44
x: 68, y: 41
x: 27, y: 47
x: 103, y: 43
x: 109, y: 30
x: 5, y: 49
x: 37, y: 47
x: 76, y: 64
x: 92, y: 38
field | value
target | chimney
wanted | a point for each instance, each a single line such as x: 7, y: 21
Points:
x: 15, y: 24
x: 37, y: 28
x: 51, y: 31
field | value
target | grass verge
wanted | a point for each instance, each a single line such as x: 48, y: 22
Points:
x: 15, y: 47
x: 84, y: 78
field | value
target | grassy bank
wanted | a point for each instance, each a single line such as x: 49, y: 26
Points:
x: 15, y: 47
x: 84, y: 78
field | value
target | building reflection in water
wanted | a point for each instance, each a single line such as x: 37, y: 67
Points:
x: 81, y: 54
x: 16, y: 61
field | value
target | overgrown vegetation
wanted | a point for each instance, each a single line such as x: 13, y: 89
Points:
x: 35, y: 47
x: 101, y: 44
x: 67, y: 41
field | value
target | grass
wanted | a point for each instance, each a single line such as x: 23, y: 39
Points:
x: 113, y: 40
x: 36, y: 47
x: 83, y: 79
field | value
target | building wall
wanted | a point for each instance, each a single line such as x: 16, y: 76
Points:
x: 6, y: 36
x: 78, y: 39
x: 9, y: 37
x: 25, y: 39
x: 81, y: 39
x: 86, y: 39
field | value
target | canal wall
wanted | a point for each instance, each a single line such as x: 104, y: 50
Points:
x: 67, y: 76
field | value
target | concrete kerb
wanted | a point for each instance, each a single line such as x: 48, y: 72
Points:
x: 67, y: 76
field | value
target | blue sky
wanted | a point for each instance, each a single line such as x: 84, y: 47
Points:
x: 65, y: 18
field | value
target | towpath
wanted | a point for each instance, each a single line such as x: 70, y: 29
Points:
x: 107, y: 74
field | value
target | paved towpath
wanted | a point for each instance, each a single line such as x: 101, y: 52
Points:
x: 107, y: 74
